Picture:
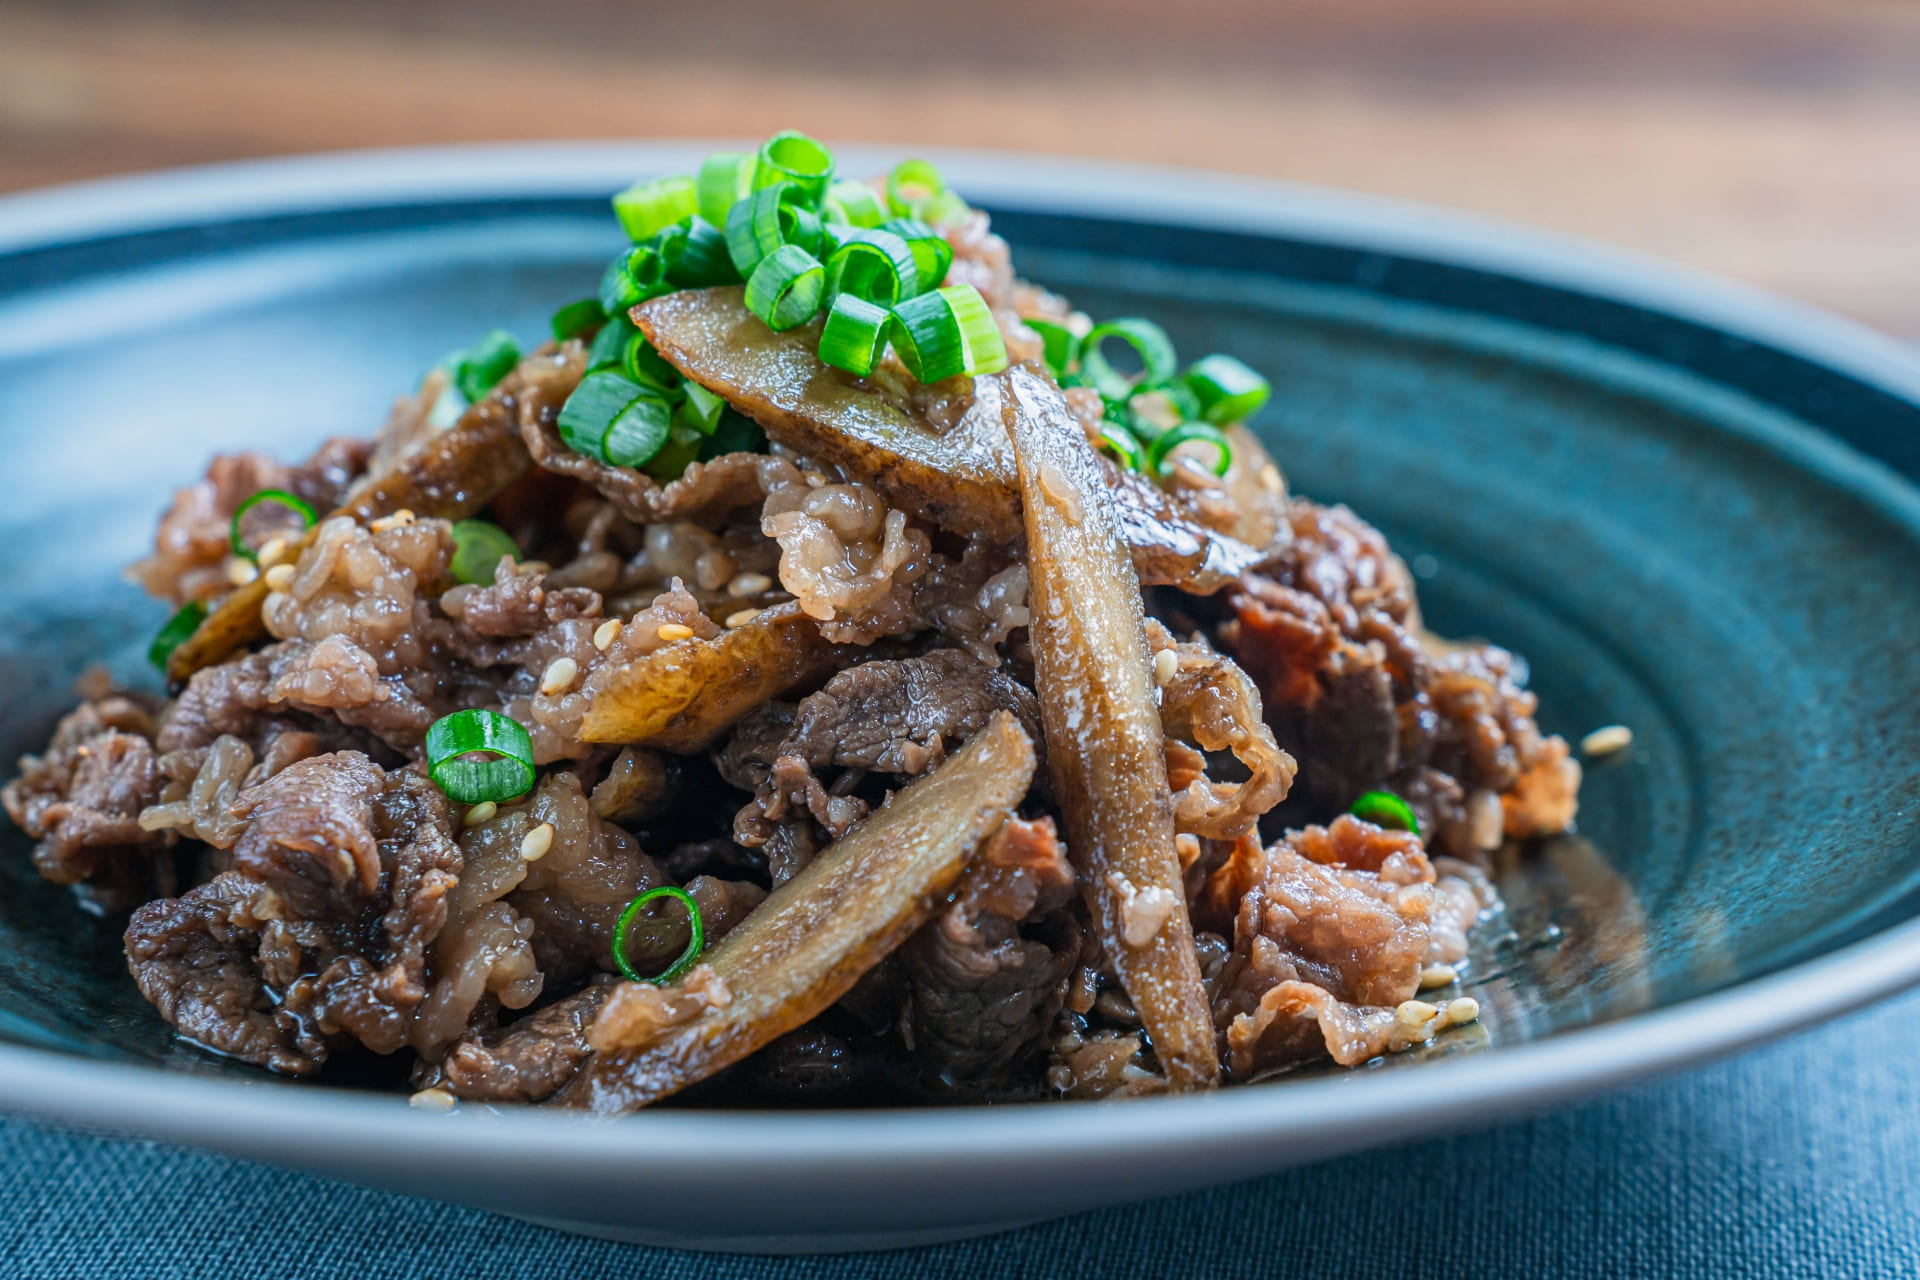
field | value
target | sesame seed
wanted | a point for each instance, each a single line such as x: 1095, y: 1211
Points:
x: 1166, y: 664
x: 748, y: 584
x: 742, y: 618
x: 815, y: 480
x: 398, y: 520
x: 1463, y: 1010
x: 538, y: 841
x: 1606, y: 741
x: 606, y: 633
x: 1437, y: 975
x: 558, y: 677
x: 272, y: 549
x: 482, y: 812
x: 1415, y: 1013
x: 675, y: 631
x: 240, y: 572
x: 432, y: 1100
x: 280, y: 577
x: 1270, y: 479
x: 347, y: 864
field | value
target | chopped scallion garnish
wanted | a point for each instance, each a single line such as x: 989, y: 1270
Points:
x: 875, y: 265
x: 638, y: 432
x: 1227, y: 390
x: 794, y: 158
x: 451, y: 739
x: 696, y: 940
x: 725, y: 179
x: 577, y: 319
x: 858, y: 204
x: 589, y: 413
x: 1123, y: 445
x: 912, y: 184
x: 477, y: 369
x: 1062, y: 348
x: 695, y: 252
x: 855, y: 334
x: 1385, y: 809
x: 1167, y: 441
x: 702, y: 408
x: 609, y: 346
x: 786, y: 288
x: 932, y: 255
x: 477, y: 548
x: 647, y: 208
x: 948, y: 332
x: 639, y: 361
x: 299, y: 506
x: 1150, y: 343
x: 175, y: 632
x: 735, y: 433
x: 766, y: 220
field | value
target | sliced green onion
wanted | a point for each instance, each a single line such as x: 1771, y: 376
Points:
x: 682, y: 447
x: 577, y: 318
x: 764, y: 221
x: 1149, y: 341
x: 932, y: 255
x: 786, y: 288
x: 1123, y: 445
x: 482, y: 365
x: 696, y: 941
x: 477, y: 548
x: 1181, y: 396
x: 702, y: 408
x: 589, y: 413
x: 609, y: 346
x: 639, y: 361
x: 948, y: 332
x: 1187, y: 432
x: 725, y: 179
x: 875, y: 265
x: 1227, y: 390
x: 911, y: 184
x: 696, y: 255
x: 638, y: 432
x: 945, y: 210
x: 646, y: 208
x: 450, y: 739
x: 859, y: 203
x: 1062, y: 347
x: 297, y: 505
x: 855, y: 334
x: 735, y: 433
x: 794, y: 158
x: 174, y: 633
x: 1385, y: 809
x: 618, y: 290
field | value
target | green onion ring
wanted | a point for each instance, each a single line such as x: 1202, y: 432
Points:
x: 477, y: 548
x: 1123, y: 445
x: 174, y: 633
x: 859, y: 202
x: 1385, y: 809
x: 945, y: 210
x: 576, y: 319
x: 912, y: 184
x: 647, y: 208
x: 509, y: 774
x: 734, y: 433
x: 932, y: 255
x: 1227, y: 390
x: 948, y: 332
x: 786, y: 288
x: 696, y: 255
x: 875, y: 265
x: 702, y: 408
x: 1149, y: 341
x: 589, y: 413
x: 618, y: 290
x: 726, y: 178
x: 1187, y: 432
x: 293, y: 503
x: 609, y: 346
x: 764, y: 221
x: 477, y: 369
x: 792, y: 157
x: 855, y: 334
x: 696, y: 942
x: 639, y: 361
x: 1062, y: 348
x: 638, y: 431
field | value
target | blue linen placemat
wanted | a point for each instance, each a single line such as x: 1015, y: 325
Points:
x: 1798, y: 1159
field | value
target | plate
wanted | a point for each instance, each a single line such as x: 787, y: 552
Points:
x: 1682, y: 501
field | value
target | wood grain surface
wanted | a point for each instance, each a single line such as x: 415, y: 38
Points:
x: 1772, y: 142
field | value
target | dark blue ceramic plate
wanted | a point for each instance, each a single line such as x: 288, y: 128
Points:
x: 1685, y: 504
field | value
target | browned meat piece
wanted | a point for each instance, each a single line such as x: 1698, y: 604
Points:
x: 518, y: 605
x: 529, y: 1060
x: 983, y: 978
x: 887, y: 717
x: 82, y: 800
x: 1207, y: 700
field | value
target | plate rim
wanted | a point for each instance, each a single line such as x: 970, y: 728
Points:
x: 256, y: 1118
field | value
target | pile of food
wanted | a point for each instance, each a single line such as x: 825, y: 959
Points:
x: 830, y: 669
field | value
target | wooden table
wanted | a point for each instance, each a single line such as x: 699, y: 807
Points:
x: 1776, y: 143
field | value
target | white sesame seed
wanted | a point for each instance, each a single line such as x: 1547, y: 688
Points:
x: 347, y: 864
x: 742, y: 617
x: 606, y: 633
x: 675, y: 631
x: 1463, y: 1010
x: 272, y: 549
x: 1270, y: 479
x: 559, y: 676
x: 398, y: 520
x: 1606, y: 741
x: 814, y: 479
x: 748, y: 584
x: 1166, y: 665
x: 538, y: 841
x: 1415, y: 1013
x: 482, y: 812
x: 280, y: 577
x: 432, y: 1100
x: 240, y: 572
x: 1437, y: 975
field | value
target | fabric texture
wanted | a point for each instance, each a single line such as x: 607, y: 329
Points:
x: 1798, y: 1159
